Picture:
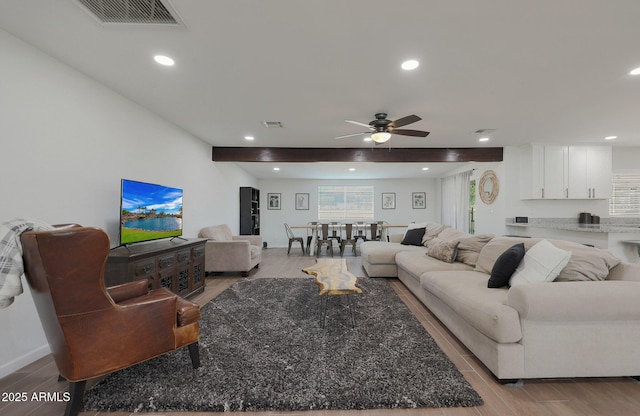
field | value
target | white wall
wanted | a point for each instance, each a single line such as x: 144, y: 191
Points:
x: 272, y: 221
x: 66, y: 143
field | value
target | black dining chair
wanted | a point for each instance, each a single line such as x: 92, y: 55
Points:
x: 335, y: 231
x: 373, y: 232
x: 293, y: 238
x: 324, y: 240
x: 348, y: 239
x: 360, y: 231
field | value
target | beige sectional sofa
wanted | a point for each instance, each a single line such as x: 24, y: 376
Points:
x: 575, y: 326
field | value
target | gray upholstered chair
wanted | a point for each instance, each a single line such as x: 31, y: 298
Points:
x: 225, y: 252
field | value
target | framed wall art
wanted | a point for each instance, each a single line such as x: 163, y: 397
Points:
x: 388, y: 200
x: 419, y: 200
x: 302, y: 201
x: 273, y: 201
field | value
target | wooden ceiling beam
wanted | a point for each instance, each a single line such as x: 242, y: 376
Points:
x: 377, y: 154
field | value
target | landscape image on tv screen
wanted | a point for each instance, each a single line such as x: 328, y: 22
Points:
x: 149, y: 212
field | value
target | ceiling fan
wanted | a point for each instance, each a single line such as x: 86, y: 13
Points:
x: 383, y: 129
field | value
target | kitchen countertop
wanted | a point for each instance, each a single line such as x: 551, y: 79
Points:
x: 594, y: 228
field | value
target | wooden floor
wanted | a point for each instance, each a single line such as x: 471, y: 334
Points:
x: 566, y: 397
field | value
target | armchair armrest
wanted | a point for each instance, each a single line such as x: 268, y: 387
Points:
x: 129, y: 290
x: 254, y: 240
x: 576, y: 301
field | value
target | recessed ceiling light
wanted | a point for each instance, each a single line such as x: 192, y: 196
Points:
x: 425, y: 168
x: 164, y: 60
x: 352, y: 169
x: 635, y: 72
x: 410, y: 65
x: 249, y: 138
x: 483, y: 139
x: 276, y: 168
x: 368, y: 139
x: 611, y: 137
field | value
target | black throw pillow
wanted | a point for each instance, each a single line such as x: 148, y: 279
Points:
x: 413, y: 237
x: 505, y: 265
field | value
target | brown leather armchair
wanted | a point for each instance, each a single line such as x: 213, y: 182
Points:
x: 93, y: 330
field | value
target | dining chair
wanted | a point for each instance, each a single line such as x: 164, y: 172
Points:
x: 293, y: 238
x: 335, y: 229
x: 312, y: 227
x: 381, y: 230
x: 324, y: 239
x: 348, y: 239
x: 373, y: 232
x: 360, y: 231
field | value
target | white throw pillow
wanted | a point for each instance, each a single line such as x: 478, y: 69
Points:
x: 541, y: 263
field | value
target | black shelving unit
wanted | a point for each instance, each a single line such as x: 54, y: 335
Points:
x: 249, y: 211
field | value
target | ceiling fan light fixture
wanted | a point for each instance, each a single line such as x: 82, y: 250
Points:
x: 380, y: 136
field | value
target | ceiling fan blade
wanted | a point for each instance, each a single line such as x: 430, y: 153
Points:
x: 358, y: 123
x: 404, y: 121
x: 350, y: 135
x: 405, y: 132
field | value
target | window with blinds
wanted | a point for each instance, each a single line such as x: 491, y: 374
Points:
x: 345, y: 202
x: 625, y: 199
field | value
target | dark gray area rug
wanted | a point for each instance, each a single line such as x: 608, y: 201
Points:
x: 263, y: 348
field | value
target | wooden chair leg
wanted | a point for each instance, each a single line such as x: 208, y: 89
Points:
x: 76, y: 390
x: 194, y: 353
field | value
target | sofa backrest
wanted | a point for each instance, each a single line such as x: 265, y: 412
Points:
x: 586, y: 263
x: 625, y: 271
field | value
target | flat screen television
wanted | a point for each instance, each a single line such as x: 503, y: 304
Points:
x: 149, y: 212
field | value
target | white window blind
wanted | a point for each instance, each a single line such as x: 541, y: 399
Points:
x: 346, y: 202
x: 625, y: 199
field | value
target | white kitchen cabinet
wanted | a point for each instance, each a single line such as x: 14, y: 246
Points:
x: 590, y: 172
x: 555, y: 172
x: 565, y: 172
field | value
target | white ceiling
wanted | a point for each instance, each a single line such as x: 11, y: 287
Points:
x: 536, y: 71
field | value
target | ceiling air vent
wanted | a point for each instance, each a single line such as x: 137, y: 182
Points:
x: 272, y: 124
x: 131, y: 11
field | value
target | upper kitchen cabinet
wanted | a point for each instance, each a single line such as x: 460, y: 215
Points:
x: 590, y: 170
x: 565, y: 172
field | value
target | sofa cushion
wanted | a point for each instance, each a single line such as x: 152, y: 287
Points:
x: 416, y: 263
x: 494, y: 248
x: 413, y: 237
x: 505, y: 265
x: 452, y: 235
x: 586, y: 263
x: 542, y: 263
x: 442, y: 250
x: 382, y: 252
x: 431, y: 231
x: 470, y: 247
x: 485, y: 309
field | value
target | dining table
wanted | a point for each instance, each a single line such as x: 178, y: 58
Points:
x: 383, y: 227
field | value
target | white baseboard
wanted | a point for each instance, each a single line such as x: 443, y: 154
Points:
x: 24, y: 360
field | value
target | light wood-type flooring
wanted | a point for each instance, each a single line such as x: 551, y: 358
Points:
x: 556, y: 397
